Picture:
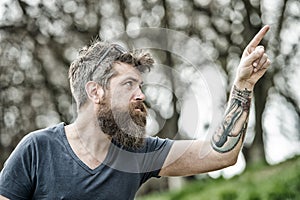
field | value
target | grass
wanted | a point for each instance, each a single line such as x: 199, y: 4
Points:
x: 279, y: 182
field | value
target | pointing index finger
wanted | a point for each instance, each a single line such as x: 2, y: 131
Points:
x: 258, y: 37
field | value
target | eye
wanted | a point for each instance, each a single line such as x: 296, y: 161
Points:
x: 129, y: 84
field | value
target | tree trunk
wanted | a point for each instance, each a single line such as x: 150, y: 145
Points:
x: 255, y: 154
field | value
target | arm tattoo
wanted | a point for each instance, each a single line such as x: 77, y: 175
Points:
x: 234, y: 125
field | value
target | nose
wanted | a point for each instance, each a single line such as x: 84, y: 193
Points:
x: 139, y: 95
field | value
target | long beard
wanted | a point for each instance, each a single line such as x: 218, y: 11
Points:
x: 125, y: 127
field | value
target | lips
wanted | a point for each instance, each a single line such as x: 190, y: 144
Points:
x: 138, y: 110
x: 138, y: 113
x: 139, y: 107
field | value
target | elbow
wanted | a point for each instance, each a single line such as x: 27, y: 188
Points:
x: 232, y: 157
x: 232, y: 161
x: 228, y: 160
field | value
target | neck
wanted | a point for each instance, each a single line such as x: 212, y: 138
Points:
x: 87, y: 140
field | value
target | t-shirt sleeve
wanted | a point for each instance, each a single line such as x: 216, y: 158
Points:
x: 156, y: 154
x: 16, y: 178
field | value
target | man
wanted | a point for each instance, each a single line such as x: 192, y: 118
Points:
x: 104, y: 154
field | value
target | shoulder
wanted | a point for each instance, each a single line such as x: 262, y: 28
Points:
x: 46, y: 133
x: 156, y: 144
x: 41, y: 136
x: 38, y: 141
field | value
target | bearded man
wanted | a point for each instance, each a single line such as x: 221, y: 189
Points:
x: 105, y: 153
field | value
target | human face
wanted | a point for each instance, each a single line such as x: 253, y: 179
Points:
x: 125, y: 88
x: 122, y: 115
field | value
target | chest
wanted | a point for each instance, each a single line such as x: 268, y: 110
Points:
x: 59, y: 174
x: 76, y: 183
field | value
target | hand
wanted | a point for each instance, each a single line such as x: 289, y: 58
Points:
x: 254, y: 62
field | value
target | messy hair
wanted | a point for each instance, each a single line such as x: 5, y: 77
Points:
x: 95, y: 63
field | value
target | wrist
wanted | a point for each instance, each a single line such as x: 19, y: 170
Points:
x: 242, y: 96
x: 242, y: 85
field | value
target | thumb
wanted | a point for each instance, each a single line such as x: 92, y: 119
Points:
x: 256, y: 54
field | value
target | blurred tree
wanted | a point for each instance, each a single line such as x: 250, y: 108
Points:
x: 39, y: 39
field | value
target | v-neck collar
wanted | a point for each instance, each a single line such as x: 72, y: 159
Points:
x: 77, y: 159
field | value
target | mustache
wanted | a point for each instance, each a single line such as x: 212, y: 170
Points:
x: 138, y: 113
x: 139, y: 105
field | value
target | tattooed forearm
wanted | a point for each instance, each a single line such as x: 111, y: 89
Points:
x: 234, y: 125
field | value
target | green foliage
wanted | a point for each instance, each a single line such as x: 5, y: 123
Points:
x: 280, y: 182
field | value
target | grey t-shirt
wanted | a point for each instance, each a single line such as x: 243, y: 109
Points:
x: 43, y: 166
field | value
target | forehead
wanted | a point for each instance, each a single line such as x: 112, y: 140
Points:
x: 126, y: 70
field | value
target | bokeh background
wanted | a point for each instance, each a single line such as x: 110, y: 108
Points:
x: 40, y: 38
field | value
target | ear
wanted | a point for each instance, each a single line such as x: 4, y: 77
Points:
x: 94, y: 91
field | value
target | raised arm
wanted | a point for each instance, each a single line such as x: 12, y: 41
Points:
x: 189, y: 157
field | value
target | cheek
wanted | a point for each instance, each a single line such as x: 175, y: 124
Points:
x: 121, y: 97
x: 120, y: 101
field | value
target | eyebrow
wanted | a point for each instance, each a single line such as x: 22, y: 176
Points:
x: 132, y: 79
